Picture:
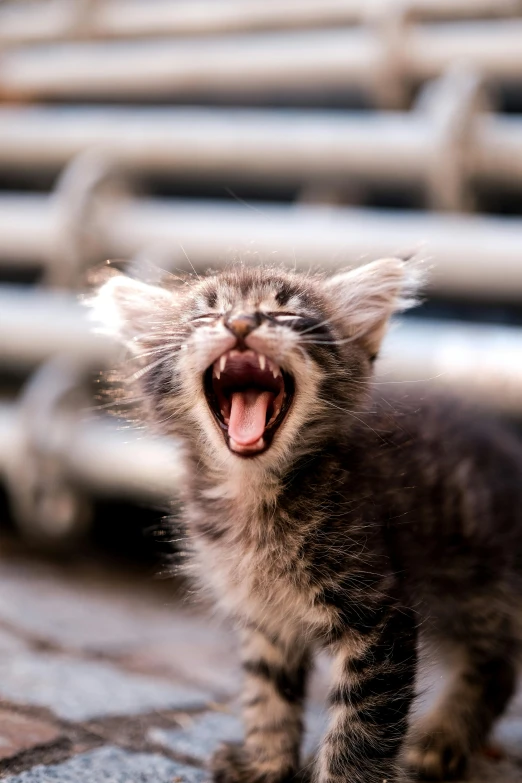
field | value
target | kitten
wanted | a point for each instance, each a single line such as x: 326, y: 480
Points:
x: 324, y: 515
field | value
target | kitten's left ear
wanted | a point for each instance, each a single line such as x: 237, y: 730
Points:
x: 364, y: 298
x: 129, y: 310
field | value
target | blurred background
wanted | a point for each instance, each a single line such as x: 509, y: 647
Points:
x: 184, y: 134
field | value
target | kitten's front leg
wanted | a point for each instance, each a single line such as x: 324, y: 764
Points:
x: 370, y: 698
x: 273, y: 693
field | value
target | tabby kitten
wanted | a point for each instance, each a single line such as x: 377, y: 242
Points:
x: 323, y: 514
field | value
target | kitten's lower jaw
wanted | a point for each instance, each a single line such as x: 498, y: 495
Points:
x: 249, y: 397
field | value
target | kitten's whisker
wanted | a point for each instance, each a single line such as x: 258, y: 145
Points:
x: 408, y: 380
x: 156, y: 351
x: 188, y: 259
x: 143, y: 370
x: 316, y: 326
x: 114, y: 404
x: 354, y: 416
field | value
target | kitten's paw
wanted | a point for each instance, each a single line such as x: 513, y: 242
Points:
x: 437, y: 755
x: 230, y: 764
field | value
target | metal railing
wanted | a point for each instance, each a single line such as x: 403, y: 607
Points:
x: 475, y: 257
x: 446, y: 144
x: 55, y: 456
x: 54, y: 19
x: 383, y: 60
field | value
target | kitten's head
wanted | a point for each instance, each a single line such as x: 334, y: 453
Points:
x: 255, y: 363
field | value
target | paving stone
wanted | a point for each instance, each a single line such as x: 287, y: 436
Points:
x: 19, y: 733
x: 112, y: 765
x: 202, y: 734
x: 205, y: 657
x: 163, y: 642
x: 79, y: 690
x: 88, y: 608
x: 10, y: 643
x: 96, y: 612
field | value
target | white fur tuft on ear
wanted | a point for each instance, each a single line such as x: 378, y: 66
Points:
x: 129, y: 310
x: 364, y: 298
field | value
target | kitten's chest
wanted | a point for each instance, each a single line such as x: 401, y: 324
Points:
x: 257, y: 569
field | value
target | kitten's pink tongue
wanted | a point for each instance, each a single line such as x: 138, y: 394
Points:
x: 248, y: 411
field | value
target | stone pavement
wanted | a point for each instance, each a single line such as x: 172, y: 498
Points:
x: 110, y: 677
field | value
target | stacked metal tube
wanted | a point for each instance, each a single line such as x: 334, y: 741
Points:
x: 112, y: 113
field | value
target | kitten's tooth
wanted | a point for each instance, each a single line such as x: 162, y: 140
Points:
x: 262, y: 361
x: 274, y: 369
x: 276, y: 413
x: 217, y: 372
x: 223, y: 363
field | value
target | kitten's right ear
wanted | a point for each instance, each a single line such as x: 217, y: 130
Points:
x: 366, y: 297
x: 129, y: 310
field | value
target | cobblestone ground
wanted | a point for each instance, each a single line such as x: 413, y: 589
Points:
x: 107, y: 677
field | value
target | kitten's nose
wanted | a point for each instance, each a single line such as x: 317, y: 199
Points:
x: 241, y: 324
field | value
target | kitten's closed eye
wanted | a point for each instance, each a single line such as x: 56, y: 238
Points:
x: 207, y: 317
x: 284, y: 316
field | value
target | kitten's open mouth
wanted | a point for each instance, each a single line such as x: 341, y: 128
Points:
x: 249, y: 396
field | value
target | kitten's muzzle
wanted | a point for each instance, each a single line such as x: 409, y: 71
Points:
x: 249, y: 396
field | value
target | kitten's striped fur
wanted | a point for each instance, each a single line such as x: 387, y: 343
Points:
x: 367, y: 520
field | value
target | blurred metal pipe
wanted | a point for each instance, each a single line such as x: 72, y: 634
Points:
x: 28, y: 228
x: 117, y: 459
x: 481, y: 363
x: 334, y: 59
x: 105, y: 456
x: 497, y: 148
x: 493, y: 48
x: 121, y: 18
x: 282, y: 145
x: 55, y: 19
x: 472, y: 256
x: 188, y: 67
x: 38, y: 21
x: 279, y: 146
x: 36, y: 324
x: 459, y: 9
